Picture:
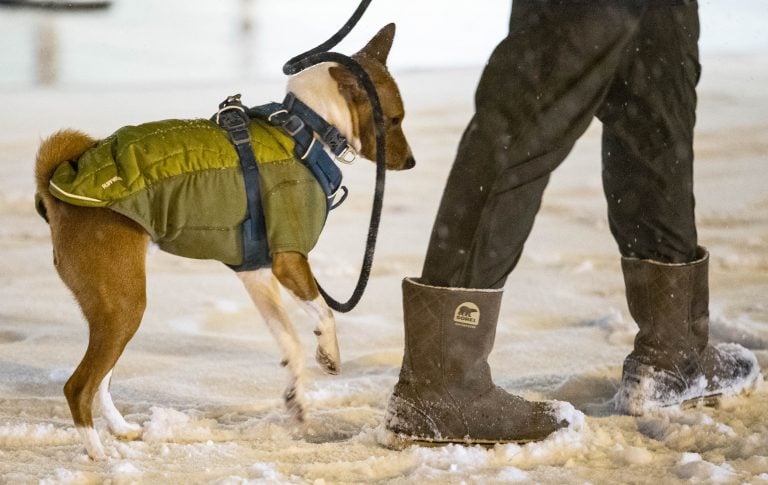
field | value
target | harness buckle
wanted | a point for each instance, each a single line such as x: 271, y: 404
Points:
x: 293, y: 125
x: 240, y: 137
x: 227, y: 119
x: 235, y: 121
x: 348, y: 155
x: 334, y: 139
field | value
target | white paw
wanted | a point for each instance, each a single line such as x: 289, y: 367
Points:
x: 128, y: 431
x: 92, y: 444
x: 329, y: 362
x: 294, y: 403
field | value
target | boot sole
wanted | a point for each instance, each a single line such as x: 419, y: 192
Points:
x: 710, y: 400
x: 713, y: 400
x: 398, y: 442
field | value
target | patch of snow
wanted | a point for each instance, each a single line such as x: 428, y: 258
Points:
x: 171, y: 425
x: 584, y: 267
x: 635, y: 455
x: 61, y: 375
x: 226, y: 306
x: 564, y: 411
x: 62, y: 476
x: 511, y: 475
x: 40, y: 434
x: 125, y: 472
x: 698, y: 470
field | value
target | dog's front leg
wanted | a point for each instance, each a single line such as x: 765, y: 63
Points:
x: 327, y: 354
x: 293, y: 272
x: 263, y: 289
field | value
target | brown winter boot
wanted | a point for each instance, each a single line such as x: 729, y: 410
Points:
x: 672, y: 362
x: 445, y: 393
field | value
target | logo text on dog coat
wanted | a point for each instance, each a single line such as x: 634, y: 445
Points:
x: 467, y: 315
x: 111, y: 181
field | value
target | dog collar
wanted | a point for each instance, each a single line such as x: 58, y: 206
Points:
x: 304, y: 125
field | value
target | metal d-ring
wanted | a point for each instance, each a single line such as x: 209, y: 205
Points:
x: 334, y: 204
x: 280, y: 111
x: 347, y: 156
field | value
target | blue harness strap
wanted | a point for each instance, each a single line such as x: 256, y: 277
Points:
x: 234, y: 119
x: 301, y: 123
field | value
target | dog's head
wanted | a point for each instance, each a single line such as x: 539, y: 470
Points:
x: 373, y: 59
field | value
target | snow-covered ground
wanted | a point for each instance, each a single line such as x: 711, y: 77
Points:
x: 202, y: 374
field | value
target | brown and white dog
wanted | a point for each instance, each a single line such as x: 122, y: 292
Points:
x: 115, y: 266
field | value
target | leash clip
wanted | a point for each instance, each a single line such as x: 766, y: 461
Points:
x: 348, y: 155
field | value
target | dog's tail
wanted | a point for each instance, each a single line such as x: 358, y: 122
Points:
x: 61, y: 147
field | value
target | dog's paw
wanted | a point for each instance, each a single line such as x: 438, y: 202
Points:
x: 92, y: 443
x: 128, y: 432
x: 328, y: 364
x: 294, y: 405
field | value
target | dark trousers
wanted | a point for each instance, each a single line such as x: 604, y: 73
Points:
x: 634, y: 67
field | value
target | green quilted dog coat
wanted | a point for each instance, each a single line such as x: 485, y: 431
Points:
x: 181, y: 181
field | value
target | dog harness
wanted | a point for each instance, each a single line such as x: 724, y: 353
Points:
x: 301, y: 123
x: 190, y: 184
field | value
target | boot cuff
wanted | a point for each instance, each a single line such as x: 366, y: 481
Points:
x: 408, y: 281
x: 702, y: 257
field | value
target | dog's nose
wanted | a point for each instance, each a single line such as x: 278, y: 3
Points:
x: 409, y: 163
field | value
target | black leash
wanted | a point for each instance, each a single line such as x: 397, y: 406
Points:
x: 316, y: 56
x: 297, y: 64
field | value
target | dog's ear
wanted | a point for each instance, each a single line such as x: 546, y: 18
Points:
x: 348, y: 82
x: 378, y: 47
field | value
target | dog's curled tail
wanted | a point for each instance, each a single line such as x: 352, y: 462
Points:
x: 61, y: 147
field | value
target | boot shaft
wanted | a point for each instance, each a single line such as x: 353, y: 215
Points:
x: 449, y: 333
x: 670, y: 303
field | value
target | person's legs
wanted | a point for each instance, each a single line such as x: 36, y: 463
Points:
x: 536, y: 96
x: 648, y: 117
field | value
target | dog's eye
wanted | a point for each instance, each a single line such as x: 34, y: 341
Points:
x: 395, y: 121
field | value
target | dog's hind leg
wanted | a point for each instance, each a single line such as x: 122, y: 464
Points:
x: 101, y: 256
x: 262, y: 287
x: 294, y: 273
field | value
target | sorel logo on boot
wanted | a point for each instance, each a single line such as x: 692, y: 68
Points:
x: 467, y: 315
